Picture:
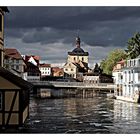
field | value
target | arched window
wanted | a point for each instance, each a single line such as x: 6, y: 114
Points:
x: 74, y: 58
x: 82, y: 58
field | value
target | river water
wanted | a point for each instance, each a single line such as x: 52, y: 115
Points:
x: 82, y: 115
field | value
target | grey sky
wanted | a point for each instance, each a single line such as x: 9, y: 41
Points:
x: 50, y: 31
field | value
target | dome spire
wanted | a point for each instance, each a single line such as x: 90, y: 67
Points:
x: 78, y: 40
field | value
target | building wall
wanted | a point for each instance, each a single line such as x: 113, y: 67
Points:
x: 117, y: 75
x: 75, y: 58
x: 1, y: 37
x: 25, y: 114
x: 11, y: 108
x: 5, y: 84
x: 70, y: 70
x: 45, y: 71
x: 16, y: 64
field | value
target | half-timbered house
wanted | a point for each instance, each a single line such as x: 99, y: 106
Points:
x: 14, y: 99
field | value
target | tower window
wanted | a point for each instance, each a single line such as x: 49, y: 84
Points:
x: 0, y: 22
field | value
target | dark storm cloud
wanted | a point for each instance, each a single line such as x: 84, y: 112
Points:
x: 101, y: 26
x: 108, y: 27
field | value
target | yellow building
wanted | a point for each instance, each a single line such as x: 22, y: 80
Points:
x: 77, y: 62
x: 2, y: 10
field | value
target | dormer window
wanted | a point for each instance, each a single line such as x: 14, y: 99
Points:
x: 0, y: 22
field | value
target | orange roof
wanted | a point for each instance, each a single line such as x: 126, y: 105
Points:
x: 121, y: 62
x: 13, y: 53
x: 56, y: 69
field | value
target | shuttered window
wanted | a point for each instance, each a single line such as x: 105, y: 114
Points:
x: 0, y: 100
x: 0, y: 22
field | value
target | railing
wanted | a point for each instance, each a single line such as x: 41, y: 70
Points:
x: 74, y: 84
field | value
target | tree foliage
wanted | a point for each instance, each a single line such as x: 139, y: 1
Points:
x: 113, y: 57
x: 133, y: 48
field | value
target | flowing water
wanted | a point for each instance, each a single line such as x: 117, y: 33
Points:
x: 82, y: 115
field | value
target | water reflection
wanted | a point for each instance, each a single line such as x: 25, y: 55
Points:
x: 125, y: 110
x: 81, y: 115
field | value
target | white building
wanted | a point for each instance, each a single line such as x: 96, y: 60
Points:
x: 117, y: 74
x: 131, y: 81
x: 45, y: 69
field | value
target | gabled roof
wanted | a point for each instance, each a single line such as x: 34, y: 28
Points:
x: 15, y: 79
x: 36, y: 58
x: 12, y: 53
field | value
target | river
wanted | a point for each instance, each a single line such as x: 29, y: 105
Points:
x: 82, y: 115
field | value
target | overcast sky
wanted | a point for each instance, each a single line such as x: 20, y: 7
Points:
x: 50, y: 31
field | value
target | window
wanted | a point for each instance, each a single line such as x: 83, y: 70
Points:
x: 82, y: 58
x: 74, y: 58
x: 0, y: 100
x: 0, y: 22
x: 17, y: 67
x: 71, y: 69
x: 17, y: 61
x: 134, y: 62
x: 66, y: 69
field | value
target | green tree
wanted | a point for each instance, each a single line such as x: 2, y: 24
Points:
x: 111, y: 60
x: 133, y: 48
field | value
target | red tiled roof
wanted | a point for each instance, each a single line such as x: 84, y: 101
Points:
x: 55, y: 69
x: 13, y: 53
x: 36, y: 58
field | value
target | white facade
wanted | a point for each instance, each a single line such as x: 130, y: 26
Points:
x: 131, y: 81
x: 45, y: 70
x: 70, y: 70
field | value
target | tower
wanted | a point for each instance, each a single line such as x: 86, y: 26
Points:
x: 2, y: 11
x: 78, y: 42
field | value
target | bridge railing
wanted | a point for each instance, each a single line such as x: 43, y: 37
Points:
x: 74, y: 84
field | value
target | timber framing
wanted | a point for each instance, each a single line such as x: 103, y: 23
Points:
x: 15, y: 100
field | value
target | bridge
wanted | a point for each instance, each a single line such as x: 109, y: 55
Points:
x: 62, y: 89
x: 57, y: 84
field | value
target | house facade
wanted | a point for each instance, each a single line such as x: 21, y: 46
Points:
x: 57, y: 72
x: 131, y: 81
x: 45, y: 70
x: 77, y: 62
x: 33, y: 72
x: 14, y: 99
x: 117, y: 74
x: 14, y: 62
